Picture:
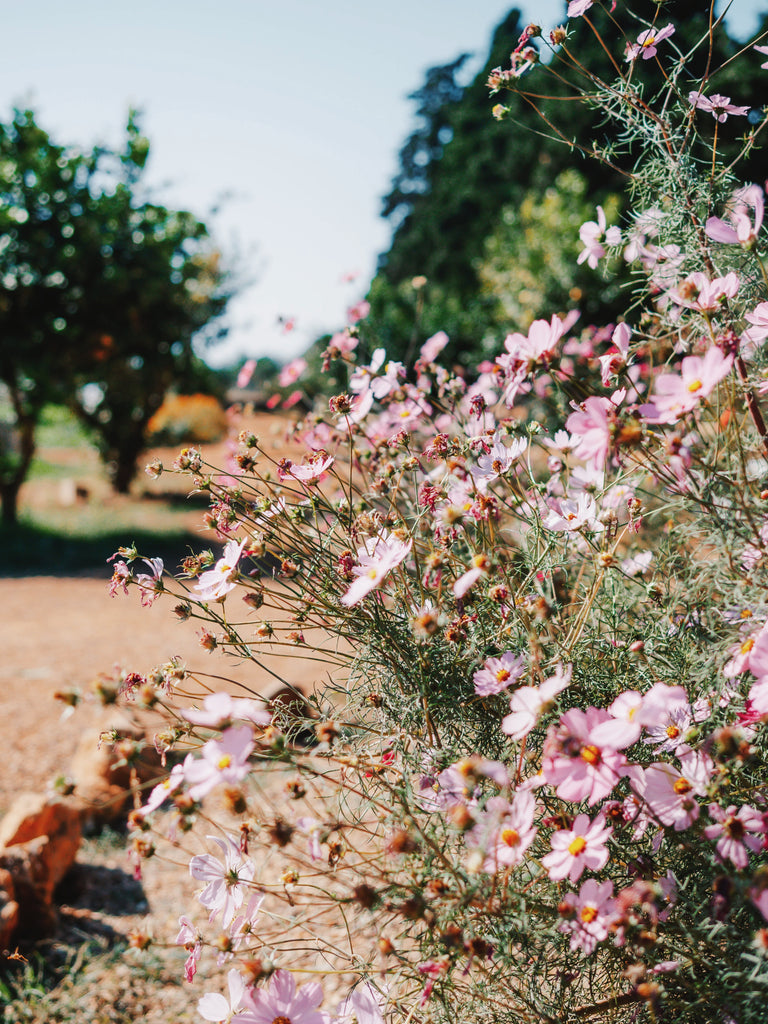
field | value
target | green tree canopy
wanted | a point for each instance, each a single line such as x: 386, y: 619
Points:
x: 101, y: 294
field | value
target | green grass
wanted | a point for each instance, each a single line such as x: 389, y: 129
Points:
x: 59, y: 428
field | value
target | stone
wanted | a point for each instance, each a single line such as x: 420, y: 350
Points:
x: 30, y: 865
x: 37, y: 814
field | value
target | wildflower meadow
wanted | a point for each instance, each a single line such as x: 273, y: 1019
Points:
x: 527, y: 608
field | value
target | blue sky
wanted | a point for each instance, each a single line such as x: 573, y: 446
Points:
x: 294, y: 109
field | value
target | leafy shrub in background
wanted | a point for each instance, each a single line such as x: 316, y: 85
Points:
x: 187, y: 419
x: 537, y: 791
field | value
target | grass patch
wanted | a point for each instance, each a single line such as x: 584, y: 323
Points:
x: 60, y: 428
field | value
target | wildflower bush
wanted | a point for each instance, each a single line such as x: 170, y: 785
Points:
x: 532, y: 783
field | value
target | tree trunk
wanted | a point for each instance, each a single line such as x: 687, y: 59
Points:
x: 9, y: 495
x: 10, y: 485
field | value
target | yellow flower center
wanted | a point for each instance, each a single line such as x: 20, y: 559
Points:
x: 372, y: 573
x: 502, y: 675
x: 682, y: 786
x: 510, y: 837
x: 673, y: 732
x: 591, y: 754
x: 747, y: 646
x: 577, y: 846
x: 695, y: 386
x: 588, y: 914
x: 224, y: 762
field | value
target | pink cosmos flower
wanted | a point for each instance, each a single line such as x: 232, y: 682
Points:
x: 468, y: 579
x: 433, y: 346
x: 578, y: 848
x: 151, y: 584
x: 363, y: 1005
x: 221, y: 708
x: 497, y: 461
x: 216, y: 583
x: 215, y: 1007
x: 281, y: 1000
x: 592, y: 913
x: 291, y: 372
x: 676, y: 394
x: 592, y: 235
x: 246, y: 372
x: 731, y: 829
x: 670, y: 794
x: 497, y: 674
x: 590, y: 427
x: 224, y: 760
x: 359, y: 311
x: 698, y: 292
x: 647, y: 41
x: 578, y: 7
x: 529, y: 703
x: 613, y: 362
x: 576, y: 764
x: 376, y: 559
x: 227, y: 881
x: 742, y: 230
x: 504, y: 831
x: 192, y: 940
x: 758, y: 332
x: 718, y: 106
x: 309, y: 471
x: 574, y: 514
x: 160, y: 793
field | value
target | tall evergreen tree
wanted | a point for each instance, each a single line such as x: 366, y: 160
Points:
x: 461, y: 167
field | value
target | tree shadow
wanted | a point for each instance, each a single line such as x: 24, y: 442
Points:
x: 34, y: 551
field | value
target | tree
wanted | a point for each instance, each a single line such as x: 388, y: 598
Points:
x: 441, y: 227
x: 101, y: 295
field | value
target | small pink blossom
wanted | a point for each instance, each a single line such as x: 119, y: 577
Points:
x: 291, y: 372
x: 590, y: 428
x: 363, y: 1005
x: 222, y: 761
x: 281, y: 1000
x: 676, y: 394
x: 699, y: 293
x: 579, y: 766
x: 433, y: 346
x: 359, y: 311
x: 245, y: 374
x: 216, y: 583
x: 215, y: 1007
x: 227, y: 881
x: 220, y: 709
x: 498, y: 674
x: 671, y: 795
x: 504, y: 831
x: 592, y: 235
x: 191, y: 939
x: 578, y: 7
x: 718, y: 106
x: 613, y: 363
x: 731, y: 830
x: 743, y: 229
x: 647, y: 41
x: 529, y: 703
x: 578, y: 848
x: 574, y: 514
x: 592, y: 911
x: 151, y: 584
x: 376, y: 559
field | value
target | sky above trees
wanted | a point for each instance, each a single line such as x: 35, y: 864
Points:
x: 287, y: 116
